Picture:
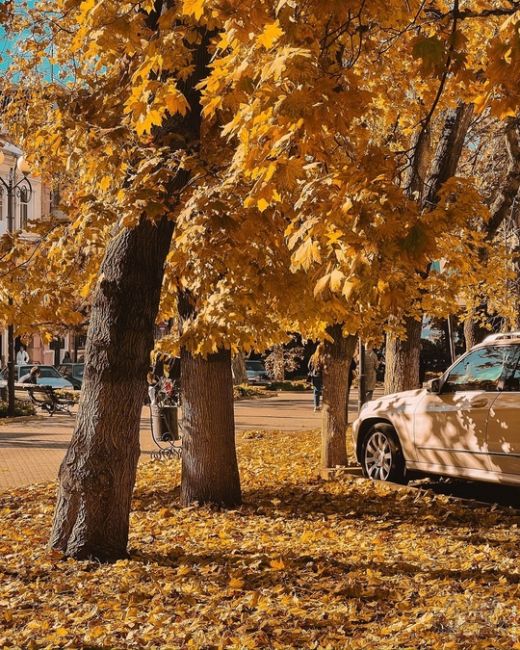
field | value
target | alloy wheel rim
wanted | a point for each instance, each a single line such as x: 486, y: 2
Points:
x: 378, y: 457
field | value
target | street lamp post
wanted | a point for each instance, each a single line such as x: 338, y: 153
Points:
x: 12, y: 188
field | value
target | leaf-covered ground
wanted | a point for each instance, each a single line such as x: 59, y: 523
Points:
x: 303, y: 564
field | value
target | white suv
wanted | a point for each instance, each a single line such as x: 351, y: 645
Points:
x: 465, y: 424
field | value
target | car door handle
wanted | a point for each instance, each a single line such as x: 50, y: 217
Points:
x: 479, y: 402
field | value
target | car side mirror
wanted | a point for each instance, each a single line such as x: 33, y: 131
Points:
x: 434, y: 386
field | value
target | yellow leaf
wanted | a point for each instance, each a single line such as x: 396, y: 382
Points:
x: 193, y: 8
x: 277, y: 565
x: 336, y: 279
x: 262, y: 205
x: 96, y: 631
x: 236, y: 583
x: 270, y: 35
x: 306, y: 254
x: 147, y: 122
x: 321, y: 285
x: 175, y: 101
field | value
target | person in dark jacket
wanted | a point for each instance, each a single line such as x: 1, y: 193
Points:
x: 316, y: 375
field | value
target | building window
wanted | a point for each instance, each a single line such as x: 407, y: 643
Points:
x: 24, y: 200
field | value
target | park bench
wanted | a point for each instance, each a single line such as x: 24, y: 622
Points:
x: 44, y: 397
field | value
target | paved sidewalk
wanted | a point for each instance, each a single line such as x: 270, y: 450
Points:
x: 31, y: 450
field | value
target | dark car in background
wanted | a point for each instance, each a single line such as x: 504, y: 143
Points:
x: 256, y: 372
x: 73, y: 372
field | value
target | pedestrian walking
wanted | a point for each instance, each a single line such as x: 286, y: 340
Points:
x: 66, y: 357
x: 371, y: 363
x: 316, y: 375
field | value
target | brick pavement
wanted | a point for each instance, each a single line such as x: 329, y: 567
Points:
x: 31, y: 449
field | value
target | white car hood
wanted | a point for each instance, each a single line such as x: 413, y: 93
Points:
x: 404, y: 401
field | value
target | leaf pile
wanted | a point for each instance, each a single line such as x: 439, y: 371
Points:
x: 302, y: 564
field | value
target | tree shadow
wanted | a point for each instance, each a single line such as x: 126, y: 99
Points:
x: 395, y: 506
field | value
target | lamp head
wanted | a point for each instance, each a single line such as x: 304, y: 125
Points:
x: 23, y: 166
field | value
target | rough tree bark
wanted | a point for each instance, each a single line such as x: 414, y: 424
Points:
x: 402, y: 356
x: 209, y: 461
x: 338, y: 357
x: 97, y: 476
x: 473, y: 332
x: 238, y: 364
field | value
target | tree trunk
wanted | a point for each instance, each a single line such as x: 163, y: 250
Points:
x: 402, y: 359
x: 239, y: 369
x: 448, y: 151
x: 209, y: 461
x: 473, y: 332
x: 97, y: 475
x: 510, y: 186
x: 338, y: 357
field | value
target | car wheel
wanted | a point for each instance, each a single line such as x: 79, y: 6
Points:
x: 382, y: 457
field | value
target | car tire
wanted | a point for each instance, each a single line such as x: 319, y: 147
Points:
x: 381, y: 455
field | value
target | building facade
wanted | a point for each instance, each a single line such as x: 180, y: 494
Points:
x: 28, y: 208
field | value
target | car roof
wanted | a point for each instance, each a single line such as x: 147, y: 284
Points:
x: 503, y: 338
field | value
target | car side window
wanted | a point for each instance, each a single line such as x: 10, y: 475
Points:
x: 481, y: 369
x: 513, y: 380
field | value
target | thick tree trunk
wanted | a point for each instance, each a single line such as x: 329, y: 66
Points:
x: 209, y: 461
x: 97, y: 476
x: 473, y: 332
x: 238, y: 363
x: 338, y: 357
x: 402, y: 359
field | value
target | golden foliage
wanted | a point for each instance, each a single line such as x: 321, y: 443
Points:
x: 302, y: 564
x: 296, y: 214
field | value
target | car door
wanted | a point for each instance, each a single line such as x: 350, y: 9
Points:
x: 450, y: 428
x: 504, y: 424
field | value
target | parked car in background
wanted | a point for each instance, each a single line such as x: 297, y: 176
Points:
x: 465, y: 424
x: 256, y: 372
x: 73, y: 372
x: 49, y: 376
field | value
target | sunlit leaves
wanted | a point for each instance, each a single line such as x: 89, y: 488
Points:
x: 193, y: 7
x: 303, y: 563
x: 270, y: 35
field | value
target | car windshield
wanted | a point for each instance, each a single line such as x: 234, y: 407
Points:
x: 255, y: 365
x: 45, y: 371
x: 481, y: 369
